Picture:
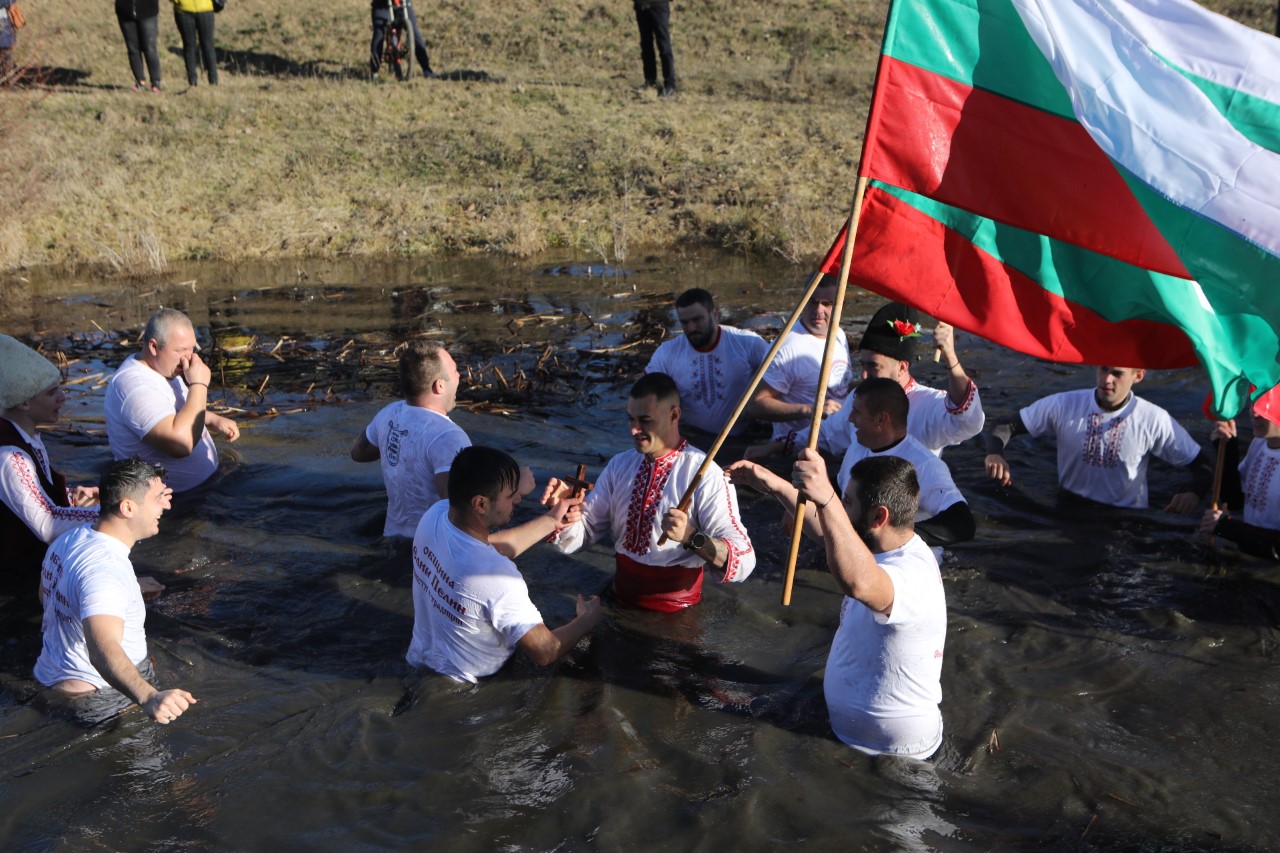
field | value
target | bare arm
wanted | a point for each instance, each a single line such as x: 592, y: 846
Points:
x: 178, y: 434
x: 767, y: 405
x: 514, y: 541
x: 944, y: 338
x: 103, y: 635
x: 545, y: 646
x: 363, y: 450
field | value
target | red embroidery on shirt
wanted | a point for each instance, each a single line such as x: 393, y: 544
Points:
x: 646, y: 493
x: 970, y: 392
x: 1102, y: 441
x: 735, y: 555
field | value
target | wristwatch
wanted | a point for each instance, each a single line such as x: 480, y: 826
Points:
x: 697, y: 542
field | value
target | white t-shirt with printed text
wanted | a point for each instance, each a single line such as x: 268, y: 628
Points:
x: 414, y: 445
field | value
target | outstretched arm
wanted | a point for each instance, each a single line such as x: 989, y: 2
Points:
x: 545, y: 646
x: 103, y: 636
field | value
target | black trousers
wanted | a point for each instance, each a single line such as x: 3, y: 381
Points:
x: 655, y: 26
x: 140, y: 39
x: 196, y: 29
x: 381, y: 22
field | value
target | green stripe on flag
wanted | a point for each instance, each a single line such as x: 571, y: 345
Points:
x: 1257, y: 119
x: 981, y: 43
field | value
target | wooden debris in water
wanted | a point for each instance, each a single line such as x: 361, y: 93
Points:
x: 993, y: 743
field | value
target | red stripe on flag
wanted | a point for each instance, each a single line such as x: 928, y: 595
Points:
x: 904, y: 254
x: 1009, y: 162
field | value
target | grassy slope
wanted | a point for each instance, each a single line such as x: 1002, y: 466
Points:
x: 540, y: 141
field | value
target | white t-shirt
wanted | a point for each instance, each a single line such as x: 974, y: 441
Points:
x: 470, y: 604
x: 1103, y: 456
x: 21, y: 492
x: 711, y: 381
x: 415, y: 444
x: 138, y: 398
x: 634, y: 492
x: 938, y: 424
x: 937, y: 489
x: 87, y: 573
x: 883, y: 680
x: 795, y: 370
x: 1261, y: 485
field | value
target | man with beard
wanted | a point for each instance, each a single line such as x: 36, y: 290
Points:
x: 636, y: 499
x: 156, y: 404
x: 790, y: 385
x: 471, y: 607
x: 414, y: 438
x: 712, y: 364
x: 1106, y: 436
x: 883, y: 678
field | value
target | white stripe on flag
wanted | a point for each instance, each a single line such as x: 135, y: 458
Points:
x: 1153, y: 121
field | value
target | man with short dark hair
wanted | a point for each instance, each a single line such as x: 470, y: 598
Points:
x: 711, y: 363
x: 636, y: 499
x: 95, y: 648
x: 937, y: 418
x: 471, y: 606
x: 1106, y: 436
x: 156, y: 404
x: 883, y: 679
x: 789, y: 388
x: 414, y: 438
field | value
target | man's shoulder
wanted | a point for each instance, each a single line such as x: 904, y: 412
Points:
x: 134, y: 374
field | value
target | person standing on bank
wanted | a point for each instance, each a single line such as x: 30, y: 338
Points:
x: 195, y: 24
x: 139, y: 21
x: 8, y: 41
x: 654, y: 19
x: 36, y: 506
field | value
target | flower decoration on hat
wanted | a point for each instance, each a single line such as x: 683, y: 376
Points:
x: 904, y: 329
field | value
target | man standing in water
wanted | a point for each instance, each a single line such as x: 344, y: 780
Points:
x: 1106, y: 437
x: 471, y: 606
x: 883, y: 678
x: 790, y: 385
x: 711, y: 363
x: 636, y: 500
x: 95, y: 648
x: 156, y: 404
x: 414, y: 438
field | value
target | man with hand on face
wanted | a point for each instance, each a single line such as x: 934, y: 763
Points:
x: 790, y: 386
x: 471, y: 607
x: 636, y: 500
x: 1106, y: 436
x: 95, y: 648
x: 36, y: 506
x: 711, y: 363
x: 883, y: 678
x: 156, y: 404
x: 414, y: 438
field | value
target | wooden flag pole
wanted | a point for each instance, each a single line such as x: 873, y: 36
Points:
x: 1217, y: 476
x: 687, y: 498
x: 833, y: 332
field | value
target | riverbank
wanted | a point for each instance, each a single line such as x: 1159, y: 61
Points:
x: 538, y: 138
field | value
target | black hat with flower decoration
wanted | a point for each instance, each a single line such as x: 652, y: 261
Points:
x: 893, y: 331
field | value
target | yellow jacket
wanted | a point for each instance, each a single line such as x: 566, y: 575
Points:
x: 193, y: 5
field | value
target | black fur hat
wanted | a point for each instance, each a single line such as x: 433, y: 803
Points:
x: 893, y: 331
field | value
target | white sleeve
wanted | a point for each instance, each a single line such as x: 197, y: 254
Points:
x: 596, y: 517
x: 21, y: 492
x: 1039, y: 418
x: 1172, y: 443
x: 716, y: 506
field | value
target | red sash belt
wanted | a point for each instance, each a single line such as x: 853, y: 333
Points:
x: 662, y: 588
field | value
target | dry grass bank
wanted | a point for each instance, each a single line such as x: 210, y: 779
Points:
x: 538, y: 140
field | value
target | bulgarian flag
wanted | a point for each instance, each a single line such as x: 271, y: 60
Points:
x: 1090, y: 181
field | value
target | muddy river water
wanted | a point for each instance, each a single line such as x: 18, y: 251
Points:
x: 1108, y: 678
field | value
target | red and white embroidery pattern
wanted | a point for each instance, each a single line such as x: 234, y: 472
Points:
x: 646, y: 493
x: 1259, y: 484
x: 1103, y: 440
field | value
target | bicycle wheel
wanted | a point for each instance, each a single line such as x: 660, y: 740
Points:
x: 399, y: 45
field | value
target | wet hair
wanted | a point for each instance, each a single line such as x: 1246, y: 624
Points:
x: 162, y: 323
x: 479, y: 470
x: 658, y: 385
x: 885, y: 395
x: 126, y: 479
x: 421, y: 364
x: 890, y: 482
x: 697, y: 296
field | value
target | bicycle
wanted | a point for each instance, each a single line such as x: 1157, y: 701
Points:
x: 397, y: 47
